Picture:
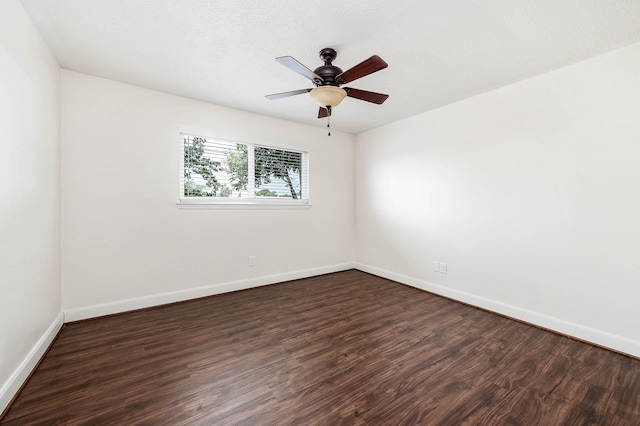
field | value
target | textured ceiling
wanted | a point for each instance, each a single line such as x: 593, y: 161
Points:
x: 438, y: 51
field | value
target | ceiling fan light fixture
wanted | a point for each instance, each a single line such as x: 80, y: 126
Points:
x: 328, y: 96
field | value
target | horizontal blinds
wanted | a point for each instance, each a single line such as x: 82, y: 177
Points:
x: 278, y: 173
x: 220, y: 169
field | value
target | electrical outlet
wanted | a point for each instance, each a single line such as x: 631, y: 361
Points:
x: 436, y: 266
x: 252, y: 261
x: 443, y: 268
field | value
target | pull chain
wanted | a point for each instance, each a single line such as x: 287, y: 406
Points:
x: 329, y: 119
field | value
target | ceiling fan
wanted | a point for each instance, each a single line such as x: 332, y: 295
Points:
x: 328, y: 78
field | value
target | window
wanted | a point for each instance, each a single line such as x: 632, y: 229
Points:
x: 216, y: 172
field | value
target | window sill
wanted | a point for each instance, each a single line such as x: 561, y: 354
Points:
x: 242, y: 205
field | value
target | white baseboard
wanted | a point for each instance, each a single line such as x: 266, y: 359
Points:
x: 77, y: 314
x: 597, y: 337
x: 13, y: 384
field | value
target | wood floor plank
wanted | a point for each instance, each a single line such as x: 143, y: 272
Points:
x: 340, y: 349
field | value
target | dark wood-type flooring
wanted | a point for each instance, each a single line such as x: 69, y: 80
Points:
x: 345, y: 348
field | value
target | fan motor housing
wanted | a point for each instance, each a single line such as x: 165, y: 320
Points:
x: 328, y: 74
x: 327, y: 71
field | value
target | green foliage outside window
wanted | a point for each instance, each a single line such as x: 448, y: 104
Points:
x: 273, y: 168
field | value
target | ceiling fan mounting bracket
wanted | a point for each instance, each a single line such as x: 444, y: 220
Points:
x: 328, y: 55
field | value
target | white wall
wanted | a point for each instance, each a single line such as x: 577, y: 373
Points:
x: 30, y: 311
x: 127, y: 245
x: 530, y: 193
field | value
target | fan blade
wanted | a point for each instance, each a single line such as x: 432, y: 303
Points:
x: 371, y: 65
x: 324, y: 112
x: 363, y: 95
x: 296, y: 66
x: 287, y: 94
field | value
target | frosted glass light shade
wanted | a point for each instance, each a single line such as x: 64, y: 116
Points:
x: 328, y: 96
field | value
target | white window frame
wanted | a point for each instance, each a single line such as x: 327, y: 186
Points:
x: 244, y: 202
